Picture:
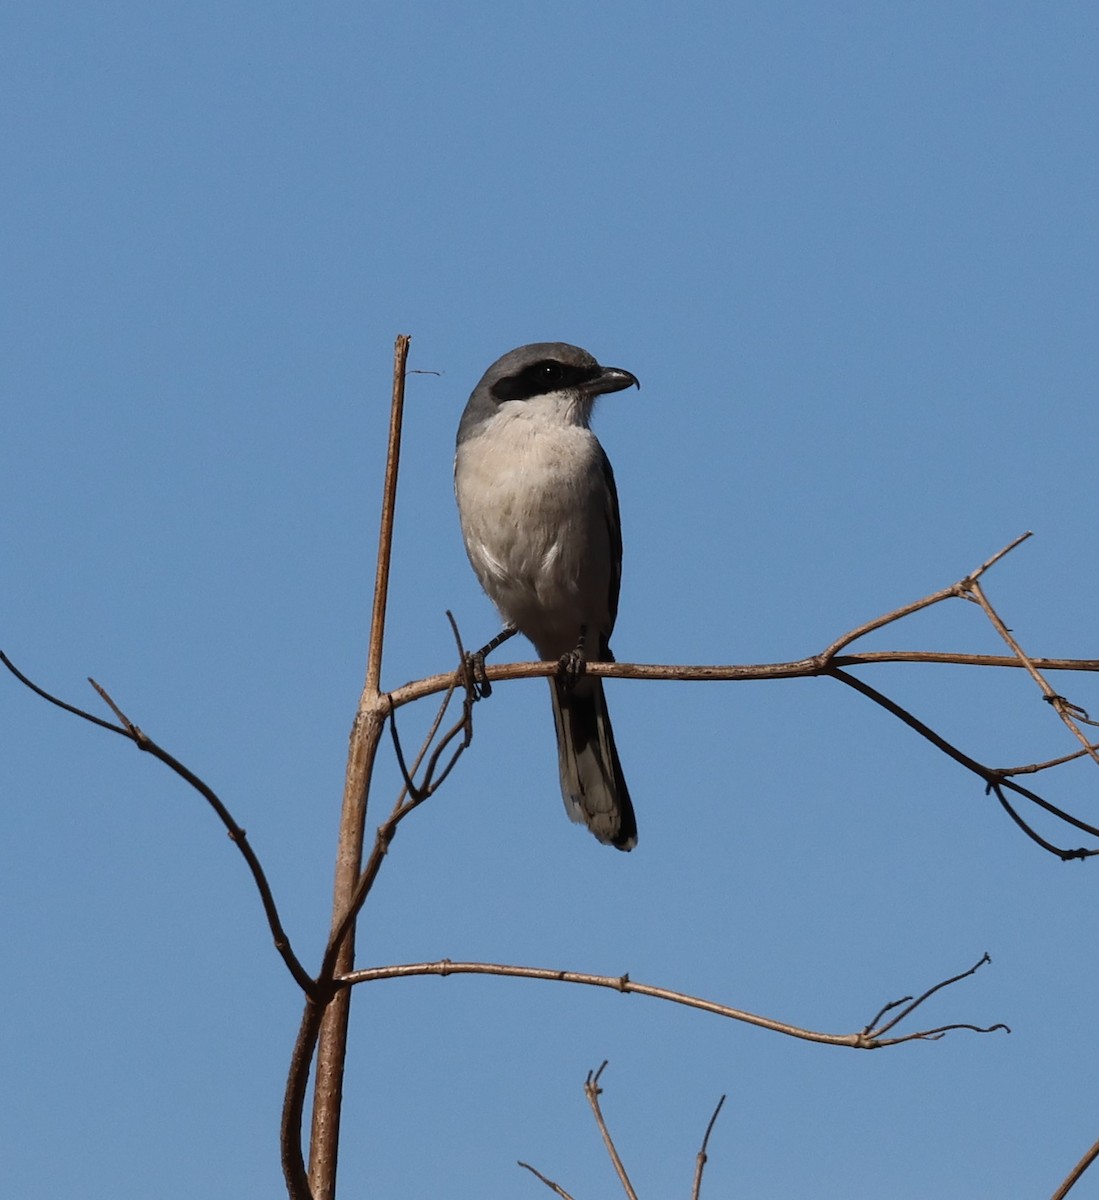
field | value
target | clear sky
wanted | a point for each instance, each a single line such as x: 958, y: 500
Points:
x: 850, y: 249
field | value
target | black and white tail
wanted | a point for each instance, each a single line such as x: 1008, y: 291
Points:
x: 592, y: 783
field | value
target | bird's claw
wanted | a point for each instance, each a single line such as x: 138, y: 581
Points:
x: 477, y: 676
x: 569, y: 668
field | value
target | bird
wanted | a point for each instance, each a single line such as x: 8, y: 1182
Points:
x: 539, y: 515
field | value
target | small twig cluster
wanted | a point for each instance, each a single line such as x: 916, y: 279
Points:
x: 592, y: 1091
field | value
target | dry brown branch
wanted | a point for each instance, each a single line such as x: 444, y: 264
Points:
x: 593, y: 1091
x: 127, y: 729
x: 700, y: 1161
x: 422, y: 791
x: 407, y: 801
x: 353, y: 881
x: 802, y: 668
x: 331, y: 1039
x: 907, y: 1005
x: 1073, y: 1176
x: 554, y: 1187
x: 995, y: 780
x: 1032, y: 768
x: 1065, y: 709
x: 293, y: 1104
x: 365, y: 734
x: 869, y: 1038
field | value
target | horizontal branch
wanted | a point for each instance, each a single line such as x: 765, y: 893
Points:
x: 801, y: 668
x: 868, y: 1038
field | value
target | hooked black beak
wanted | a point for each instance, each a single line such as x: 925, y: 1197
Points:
x: 611, y: 379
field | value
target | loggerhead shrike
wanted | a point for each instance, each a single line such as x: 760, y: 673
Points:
x: 539, y: 515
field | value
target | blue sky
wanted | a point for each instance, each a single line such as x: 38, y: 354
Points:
x: 851, y: 252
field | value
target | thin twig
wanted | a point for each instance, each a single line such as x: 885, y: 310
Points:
x: 862, y: 1040
x: 593, y: 1091
x: 994, y: 780
x: 911, y: 1005
x: 700, y: 1161
x: 127, y: 729
x: 69, y: 708
x: 1068, y: 712
x: 956, y: 589
x: 955, y: 658
x: 973, y: 576
x: 386, y: 832
x: 1064, y: 853
x: 1033, y: 768
x: 384, y: 835
x: 897, y: 614
x: 555, y: 1187
x: 421, y: 792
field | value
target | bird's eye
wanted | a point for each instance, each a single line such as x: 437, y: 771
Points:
x: 550, y: 372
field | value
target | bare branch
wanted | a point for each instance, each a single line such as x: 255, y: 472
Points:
x: 554, y: 1187
x: 973, y: 576
x: 956, y: 658
x: 387, y: 830
x: 593, y: 1091
x: 1073, y: 1176
x: 1033, y: 768
x: 700, y: 1161
x: 800, y: 668
x: 69, y: 708
x: 1066, y: 855
x: 866, y: 1039
x: 898, y: 614
x: 1068, y: 712
x: 955, y: 589
x: 995, y: 780
x: 464, y: 726
x: 365, y: 734
x: 911, y: 1005
x: 293, y: 1105
x: 236, y: 834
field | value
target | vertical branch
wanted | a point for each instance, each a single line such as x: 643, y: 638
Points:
x: 701, y: 1160
x: 593, y: 1091
x: 366, y: 733
x: 385, y: 530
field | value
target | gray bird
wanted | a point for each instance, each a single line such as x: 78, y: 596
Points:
x: 539, y: 515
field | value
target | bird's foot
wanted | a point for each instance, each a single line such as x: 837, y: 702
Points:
x: 477, y: 676
x: 475, y: 664
x: 570, y: 667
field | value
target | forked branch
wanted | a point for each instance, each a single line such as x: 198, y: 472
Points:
x: 592, y: 1092
x: 870, y: 1037
x: 127, y: 729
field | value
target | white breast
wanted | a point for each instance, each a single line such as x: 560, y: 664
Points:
x: 534, y: 508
